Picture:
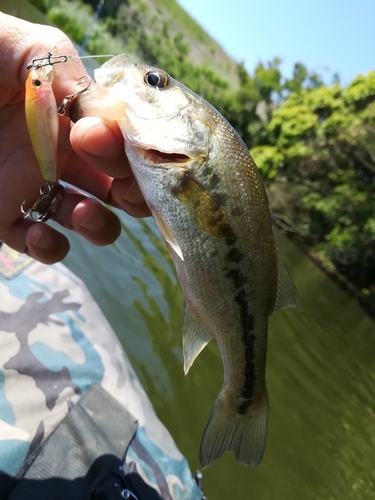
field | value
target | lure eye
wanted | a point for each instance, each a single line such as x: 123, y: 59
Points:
x: 37, y: 83
x: 156, y: 79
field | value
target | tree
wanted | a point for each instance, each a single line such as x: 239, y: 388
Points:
x: 320, y: 168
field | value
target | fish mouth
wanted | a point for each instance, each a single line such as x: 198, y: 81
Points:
x: 160, y: 157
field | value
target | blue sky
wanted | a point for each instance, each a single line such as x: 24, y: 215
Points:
x: 328, y: 36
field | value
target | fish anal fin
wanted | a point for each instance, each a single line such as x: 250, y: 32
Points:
x: 194, y: 338
x: 230, y: 430
x: 287, y: 294
x: 205, y: 211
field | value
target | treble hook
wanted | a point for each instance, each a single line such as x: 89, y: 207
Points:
x: 47, y: 61
x: 72, y: 97
x: 45, y: 191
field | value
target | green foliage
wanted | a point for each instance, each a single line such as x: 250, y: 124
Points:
x: 110, y: 7
x: 178, y: 14
x: 268, y: 159
x: 75, y: 18
x: 361, y: 91
x: 322, y: 149
x: 302, y: 79
x: 268, y: 79
x: 292, y: 122
x: 42, y: 5
x: 72, y: 17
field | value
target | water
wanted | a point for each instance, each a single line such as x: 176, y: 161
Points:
x: 320, y: 368
x: 320, y: 371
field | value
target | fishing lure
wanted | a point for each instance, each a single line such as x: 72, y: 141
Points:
x: 42, y: 119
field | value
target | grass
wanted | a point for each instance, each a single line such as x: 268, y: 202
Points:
x: 181, y: 17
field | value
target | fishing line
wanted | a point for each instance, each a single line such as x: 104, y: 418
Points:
x: 51, y: 60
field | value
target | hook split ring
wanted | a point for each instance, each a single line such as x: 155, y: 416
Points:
x: 46, y: 190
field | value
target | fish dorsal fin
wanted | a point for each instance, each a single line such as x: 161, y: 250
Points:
x: 167, y: 234
x: 287, y: 295
x: 194, y: 338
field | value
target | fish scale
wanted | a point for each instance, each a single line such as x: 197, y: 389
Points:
x: 210, y: 204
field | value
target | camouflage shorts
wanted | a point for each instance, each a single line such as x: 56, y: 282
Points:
x: 56, y: 343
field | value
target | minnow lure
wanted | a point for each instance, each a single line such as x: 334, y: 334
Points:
x: 42, y: 119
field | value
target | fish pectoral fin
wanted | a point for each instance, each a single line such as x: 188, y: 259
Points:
x: 287, y: 294
x: 203, y: 209
x: 194, y: 338
x: 167, y: 234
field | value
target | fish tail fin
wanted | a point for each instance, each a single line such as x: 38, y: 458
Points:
x: 229, y: 428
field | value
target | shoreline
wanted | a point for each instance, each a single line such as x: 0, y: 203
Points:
x: 365, y: 302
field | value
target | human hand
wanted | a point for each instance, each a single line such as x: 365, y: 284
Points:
x: 90, y: 153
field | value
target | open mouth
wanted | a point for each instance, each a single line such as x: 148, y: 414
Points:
x: 158, y: 157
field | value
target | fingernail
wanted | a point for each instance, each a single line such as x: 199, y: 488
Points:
x: 44, y: 241
x: 94, y: 221
x: 98, y: 139
x: 133, y: 194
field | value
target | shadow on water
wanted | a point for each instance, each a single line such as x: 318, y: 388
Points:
x: 162, y: 314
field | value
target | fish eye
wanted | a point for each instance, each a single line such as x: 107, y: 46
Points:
x: 157, y: 79
x: 37, y: 83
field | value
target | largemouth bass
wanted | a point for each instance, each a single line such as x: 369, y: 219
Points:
x: 210, y: 204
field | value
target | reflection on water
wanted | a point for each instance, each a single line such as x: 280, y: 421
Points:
x: 162, y: 313
x: 320, y: 371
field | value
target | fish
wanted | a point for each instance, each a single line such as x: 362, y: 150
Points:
x: 210, y: 204
x: 42, y: 119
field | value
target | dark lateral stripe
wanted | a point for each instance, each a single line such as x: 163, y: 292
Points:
x: 234, y: 255
x: 247, y: 322
x: 248, y: 340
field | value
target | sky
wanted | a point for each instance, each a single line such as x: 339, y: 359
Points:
x: 327, y: 36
